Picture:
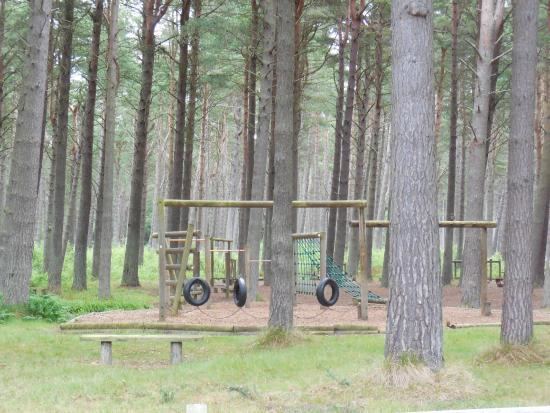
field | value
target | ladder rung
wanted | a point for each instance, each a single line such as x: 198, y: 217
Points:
x: 177, y: 250
x: 177, y: 267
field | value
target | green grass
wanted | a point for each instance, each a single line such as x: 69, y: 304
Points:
x: 42, y: 369
x: 79, y: 302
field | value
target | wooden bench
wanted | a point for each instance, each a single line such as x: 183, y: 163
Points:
x: 106, y: 340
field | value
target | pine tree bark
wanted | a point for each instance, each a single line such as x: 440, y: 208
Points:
x: 414, y: 324
x: 176, y: 177
x: 190, y: 125
x: 341, y: 220
x: 81, y: 242
x: 143, y: 215
x: 68, y: 231
x: 281, y: 311
x: 517, y: 310
x: 362, y: 90
x: 2, y: 81
x: 268, y: 244
x: 375, y: 148
x: 542, y: 196
x: 152, y: 13
x: 451, y: 176
x: 19, y: 213
x: 249, y: 129
x: 262, y: 140
x: 96, y: 230
x: 63, y: 91
x: 477, y: 153
x: 104, y: 273
x: 331, y: 233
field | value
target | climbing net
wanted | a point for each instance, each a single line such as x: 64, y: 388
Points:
x: 307, y: 264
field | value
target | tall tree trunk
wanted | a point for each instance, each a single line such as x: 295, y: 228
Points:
x: 19, y: 214
x: 299, y: 82
x: 262, y: 140
x: 281, y: 311
x: 152, y: 13
x: 176, y: 176
x: 331, y: 233
x: 81, y: 243
x: 63, y: 91
x: 2, y: 96
x: 49, y: 214
x: 477, y: 153
x: 375, y: 148
x: 97, y: 228
x: 414, y: 325
x: 249, y: 129
x: 143, y: 214
x: 243, y: 135
x: 362, y: 90
x: 439, y: 95
x: 270, y: 188
x: 341, y: 221
x: 542, y: 197
x: 104, y: 273
x: 68, y: 232
x: 190, y: 125
x: 517, y: 310
x: 202, y: 158
x: 451, y: 176
x: 462, y: 186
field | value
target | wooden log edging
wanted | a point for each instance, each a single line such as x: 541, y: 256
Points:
x: 442, y: 224
x: 467, y: 325
x: 334, y: 329
x: 210, y: 203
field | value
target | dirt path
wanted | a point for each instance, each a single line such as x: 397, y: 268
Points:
x: 308, y: 312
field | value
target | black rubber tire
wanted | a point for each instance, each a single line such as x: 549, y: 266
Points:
x: 239, y: 292
x: 320, y: 292
x: 187, y: 292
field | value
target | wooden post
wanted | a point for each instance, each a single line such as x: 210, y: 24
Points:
x: 247, y: 274
x: 211, y: 262
x: 363, y: 281
x: 176, y: 352
x: 106, y: 355
x: 197, y: 261
x: 183, y: 269
x: 227, y: 272
x: 483, y: 304
x: 162, y: 261
x: 208, y: 260
x: 323, y: 257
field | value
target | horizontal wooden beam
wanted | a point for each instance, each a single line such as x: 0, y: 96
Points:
x: 351, y: 203
x: 305, y: 235
x: 220, y: 239
x: 173, y: 234
x: 467, y: 224
x: 209, y: 203
x: 139, y: 337
x: 442, y: 224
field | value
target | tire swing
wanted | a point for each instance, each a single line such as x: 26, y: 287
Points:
x: 239, y: 292
x: 190, y: 295
x: 320, y: 292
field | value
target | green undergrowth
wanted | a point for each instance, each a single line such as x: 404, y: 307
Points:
x: 5, y: 312
x: 42, y: 369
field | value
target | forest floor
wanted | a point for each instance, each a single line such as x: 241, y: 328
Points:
x: 43, y: 370
x: 223, y: 312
